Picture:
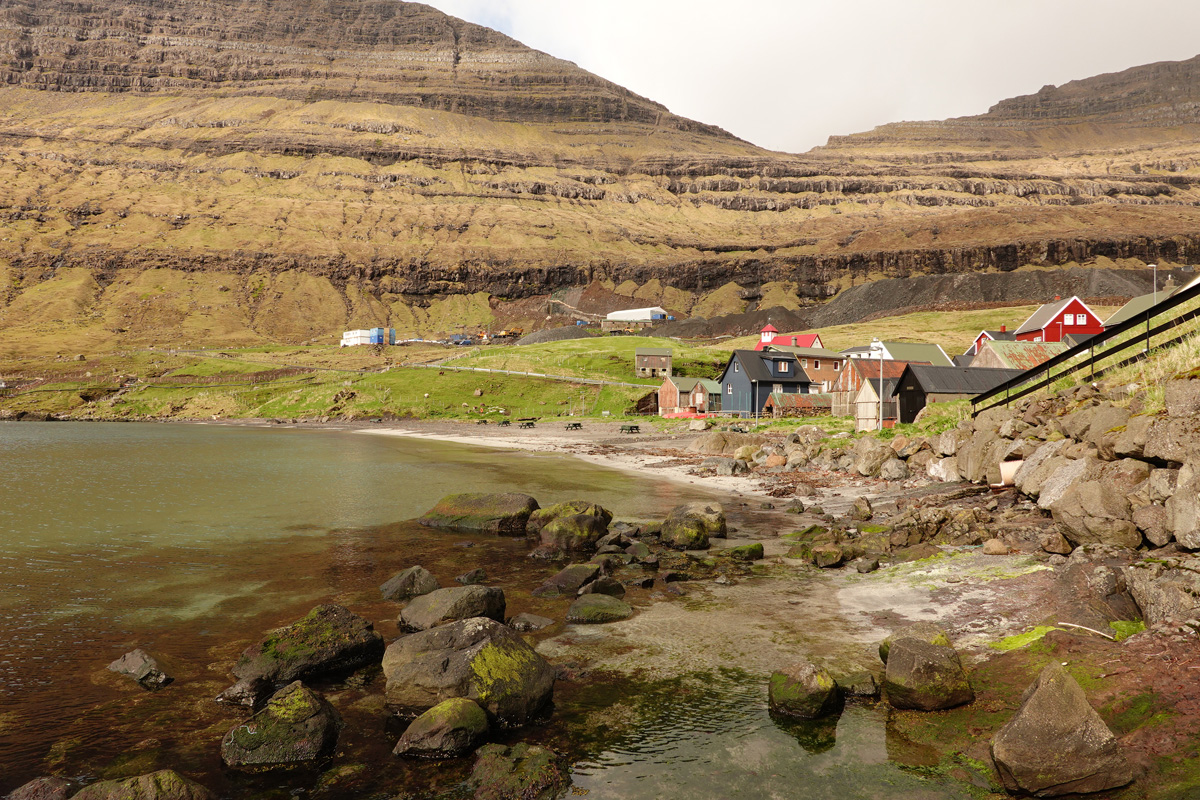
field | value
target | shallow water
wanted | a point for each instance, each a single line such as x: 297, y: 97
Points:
x: 190, y: 540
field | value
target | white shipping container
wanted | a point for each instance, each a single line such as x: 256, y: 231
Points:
x: 636, y: 314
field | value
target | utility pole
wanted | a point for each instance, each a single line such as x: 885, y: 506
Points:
x: 1155, y: 268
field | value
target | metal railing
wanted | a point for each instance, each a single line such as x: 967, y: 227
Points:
x: 1092, y: 353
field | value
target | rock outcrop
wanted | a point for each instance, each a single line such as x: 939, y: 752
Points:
x: 450, y: 605
x: 295, y: 726
x: 504, y: 514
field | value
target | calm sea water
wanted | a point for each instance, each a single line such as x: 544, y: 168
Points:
x: 190, y: 540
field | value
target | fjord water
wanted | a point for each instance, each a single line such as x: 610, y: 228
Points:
x: 190, y: 540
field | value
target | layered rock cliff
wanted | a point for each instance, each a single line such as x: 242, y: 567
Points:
x: 384, y: 156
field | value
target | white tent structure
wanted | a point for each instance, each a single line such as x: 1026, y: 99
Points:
x: 638, y: 315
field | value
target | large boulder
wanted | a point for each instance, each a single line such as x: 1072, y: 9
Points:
x: 1183, y: 514
x: 893, y: 470
x: 479, y: 659
x: 803, y: 690
x: 569, y: 580
x: 166, y: 784
x: 977, y: 458
x: 570, y: 508
x: 330, y: 638
x: 1057, y: 744
x: 925, y: 677
x: 521, y: 772
x: 295, y: 726
x: 575, y: 533
x: 1174, y: 439
x: 412, y: 582
x: 690, y: 526
x: 944, y: 469
x: 870, y: 454
x: 595, y: 608
x: 451, y: 605
x: 924, y: 631
x: 1067, y: 473
x: 450, y: 729
x: 1098, y: 511
x: 1131, y: 443
x: 506, y: 514
x: 1039, y: 466
x: 1166, y: 588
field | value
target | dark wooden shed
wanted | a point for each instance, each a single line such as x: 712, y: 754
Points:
x: 921, y: 385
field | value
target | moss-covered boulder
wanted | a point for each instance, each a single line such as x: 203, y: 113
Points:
x: 479, y: 659
x: 690, y: 526
x: 451, y: 605
x: 450, y: 729
x: 506, y: 513
x: 593, y: 609
x: 828, y: 556
x: 520, y: 772
x: 638, y: 551
x: 295, y: 726
x: 330, y: 638
x: 573, y: 534
x: 412, y: 582
x: 745, y: 552
x: 925, y: 677
x: 1057, y: 744
x: 166, y: 784
x: 803, y: 690
x: 605, y: 584
x: 543, y: 516
x: 924, y: 631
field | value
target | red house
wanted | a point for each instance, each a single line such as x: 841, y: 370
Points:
x: 1053, y: 321
x: 1002, y: 335
x: 769, y: 335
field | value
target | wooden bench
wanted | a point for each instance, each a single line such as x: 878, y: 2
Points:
x: 481, y: 422
x: 504, y: 423
x: 737, y: 429
x: 526, y: 424
x: 574, y: 426
x: 630, y: 429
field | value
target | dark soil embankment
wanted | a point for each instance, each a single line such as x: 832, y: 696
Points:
x: 736, y: 324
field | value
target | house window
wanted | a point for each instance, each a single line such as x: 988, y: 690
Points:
x: 782, y: 365
x: 737, y: 367
x: 729, y: 389
x: 1037, y: 338
x: 777, y: 388
x: 804, y: 363
x: 837, y: 365
x: 1068, y: 319
x: 816, y: 363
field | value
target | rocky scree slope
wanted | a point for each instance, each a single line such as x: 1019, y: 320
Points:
x: 337, y: 164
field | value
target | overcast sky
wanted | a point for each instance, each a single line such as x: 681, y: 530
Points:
x: 786, y: 74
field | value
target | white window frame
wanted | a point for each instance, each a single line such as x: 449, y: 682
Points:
x: 729, y: 389
x: 816, y: 363
x: 783, y: 366
x: 804, y: 363
x: 737, y: 367
x: 837, y: 366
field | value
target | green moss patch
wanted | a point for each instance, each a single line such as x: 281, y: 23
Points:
x: 1022, y: 639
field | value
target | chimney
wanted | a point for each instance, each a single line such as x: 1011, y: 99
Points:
x: 1003, y: 328
x: 1058, y: 297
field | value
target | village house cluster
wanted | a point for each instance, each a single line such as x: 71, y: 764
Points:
x: 879, y: 383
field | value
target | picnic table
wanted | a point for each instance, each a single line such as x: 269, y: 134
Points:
x: 630, y: 429
x: 481, y: 422
x: 737, y: 429
x: 526, y: 424
x: 504, y: 423
x: 574, y: 426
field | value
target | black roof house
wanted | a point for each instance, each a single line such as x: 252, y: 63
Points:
x: 751, y: 376
x: 923, y: 384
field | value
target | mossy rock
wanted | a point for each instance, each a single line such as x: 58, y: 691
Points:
x: 477, y: 658
x: 594, y: 609
x: 690, y: 526
x: 543, y: 516
x: 295, y: 726
x: 506, y: 513
x: 520, y: 772
x: 568, y: 581
x: 925, y: 677
x: 330, y: 638
x: 412, y: 582
x: 828, y: 556
x: 745, y: 552
x: 451, y: 605
x: 576, y: 533
x: 638, y: 550
x: 450, y: 729
x: 165, y: 784
x: 923, y: 631
x: 804, y: 690
x: 801, y: 552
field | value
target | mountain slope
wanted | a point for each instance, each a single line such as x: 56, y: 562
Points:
x: 238, y: 171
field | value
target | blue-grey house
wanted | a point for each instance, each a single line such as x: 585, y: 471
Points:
x: 751, y: 377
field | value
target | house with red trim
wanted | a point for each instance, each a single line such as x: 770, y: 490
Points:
x: 769, y: 335
x: 1002, y: 335
x: 1054, y: 321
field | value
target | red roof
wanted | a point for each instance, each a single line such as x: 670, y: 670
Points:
x: 769, y: 328
x: 806, y: 339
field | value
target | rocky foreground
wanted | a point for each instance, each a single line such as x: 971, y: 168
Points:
x: 1042, y: 634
